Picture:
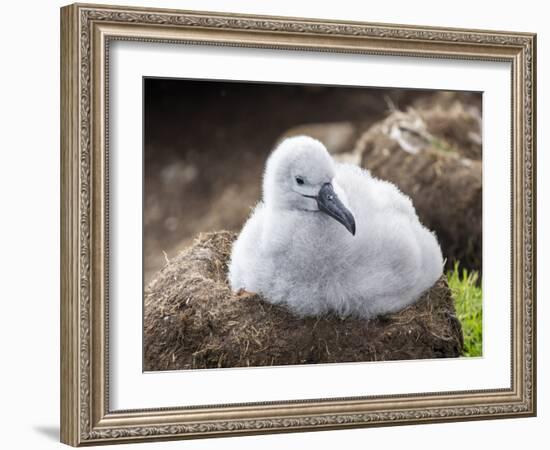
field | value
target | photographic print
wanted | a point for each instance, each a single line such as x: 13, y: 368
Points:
x: 289, y: 224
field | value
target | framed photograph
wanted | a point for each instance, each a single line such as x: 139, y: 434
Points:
x: 276, y: 224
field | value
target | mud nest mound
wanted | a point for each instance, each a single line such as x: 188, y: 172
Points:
x: 194, y: 321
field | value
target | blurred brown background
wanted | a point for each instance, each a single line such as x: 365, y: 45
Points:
x: 206, y: 142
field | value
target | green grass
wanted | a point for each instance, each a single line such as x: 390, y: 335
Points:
x: 468, y: 304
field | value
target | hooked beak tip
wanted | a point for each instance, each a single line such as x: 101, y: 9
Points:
x: 350, y: 224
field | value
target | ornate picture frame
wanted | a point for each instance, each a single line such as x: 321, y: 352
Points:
x: 87, y: 32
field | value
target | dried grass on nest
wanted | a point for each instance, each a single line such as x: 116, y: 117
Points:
x: 192, y: 320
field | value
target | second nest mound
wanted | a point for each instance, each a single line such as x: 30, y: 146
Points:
x: 194, y: 321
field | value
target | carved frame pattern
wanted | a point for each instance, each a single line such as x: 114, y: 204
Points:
x: 86, y: 33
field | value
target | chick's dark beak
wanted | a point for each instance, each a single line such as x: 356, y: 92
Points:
x: 330, y: 204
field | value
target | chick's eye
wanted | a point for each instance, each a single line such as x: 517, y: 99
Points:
x: 299, y: 180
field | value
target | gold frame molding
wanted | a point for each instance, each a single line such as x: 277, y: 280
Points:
x: 86, y: 31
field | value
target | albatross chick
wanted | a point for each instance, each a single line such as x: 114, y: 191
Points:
x: 329, y: 237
